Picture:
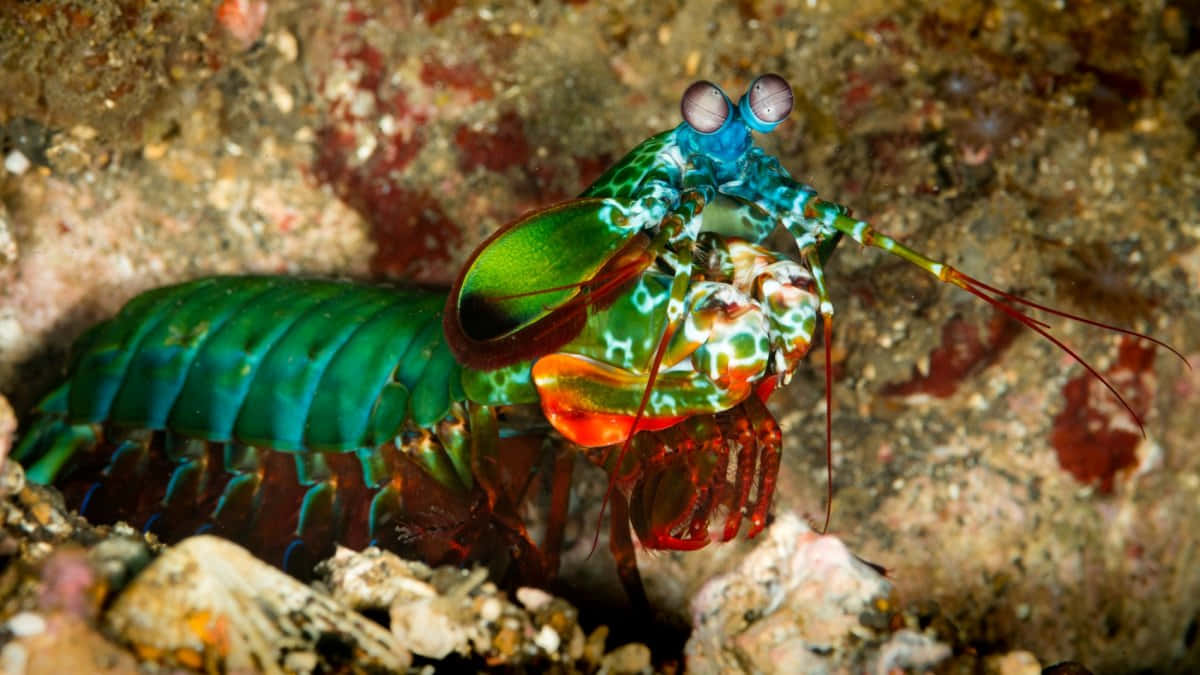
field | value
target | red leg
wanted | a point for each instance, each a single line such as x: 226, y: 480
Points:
x: 770, y: 440
x: 746, y: 441
x: 560, y: 493
x: 714, y: 489
x: 498, y: 466
x: 623, y: 552
x: 720, y: 485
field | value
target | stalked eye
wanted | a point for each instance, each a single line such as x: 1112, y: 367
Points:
x: 766, y: 103
x: 704, y: 107
x: 770, y: 98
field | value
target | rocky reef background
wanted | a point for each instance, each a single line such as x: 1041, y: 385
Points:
x: 1049, y: 148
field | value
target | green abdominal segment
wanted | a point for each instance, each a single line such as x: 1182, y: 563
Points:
x: 283, y: 408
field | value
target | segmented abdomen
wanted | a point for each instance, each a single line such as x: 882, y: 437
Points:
x: 290, y: 364
x: 283, y: 413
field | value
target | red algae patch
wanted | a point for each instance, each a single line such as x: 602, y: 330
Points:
x: 494, y: 150
x: 961, y: 353
x: 1094, y: 436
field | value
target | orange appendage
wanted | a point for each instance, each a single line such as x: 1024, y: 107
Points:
x: 579, y: 395
x: 766, y: 387
x: 593, y: 429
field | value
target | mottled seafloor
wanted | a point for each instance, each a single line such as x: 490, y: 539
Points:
x: 1050, y: 148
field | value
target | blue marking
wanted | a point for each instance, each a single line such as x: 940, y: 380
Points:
x: 181, y: 473
x: 87, y: 499
x: 150, y: 522
x: 291, y: 549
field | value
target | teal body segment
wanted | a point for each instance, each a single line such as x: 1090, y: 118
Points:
x: 292, y: 365
x: 286, y: 414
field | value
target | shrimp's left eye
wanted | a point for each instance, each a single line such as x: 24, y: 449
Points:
x: 767, y: 102
x: 704, y: 107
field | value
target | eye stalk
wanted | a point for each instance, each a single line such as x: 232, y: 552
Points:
x: 705, y: 107
x: 766, y: 103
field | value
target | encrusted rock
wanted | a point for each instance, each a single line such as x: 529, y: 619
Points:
x: 801, y: 602
x: 64, y: 644
x: 437, y: 613
x: 208, y: 603
x: 8, y: 420
x: 630, y: 659
x: 8, y: 254
x: 36, y: 513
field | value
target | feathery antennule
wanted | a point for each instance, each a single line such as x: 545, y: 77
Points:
x: 1074, y: 317
x: 1004, y: 301
x: 998, y: 300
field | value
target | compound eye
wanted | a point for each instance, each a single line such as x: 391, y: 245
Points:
x: 704, y: 107
x: 770, y: 99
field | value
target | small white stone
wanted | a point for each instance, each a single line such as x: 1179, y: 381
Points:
x: 16, y: 163
x: 362, y: 105
x: 533, y: 598
x: 490, y: 611
x: 423, y: 628
x: 25, y: 624
x: 281, y: 97
x: 387, y: 125
x: 548, y: 639
x: 285, y: 42
x: 365, y: 148
x: 13, y: 658
x: 83, y: 132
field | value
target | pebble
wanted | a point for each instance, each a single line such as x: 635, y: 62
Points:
x: 491, y: 609
x: 16, y: 163
x: 631, y: 658
x: 286, y: 44
x: 8, y: 254
x: 281, y: 97
x: 27, y: 624
x: 153, y: 151
x: 13, y: 658
x: 1013, y: 663
x: 119, y: 559
x: 425, y: 630
x: 8, y: 419
x: 533, y: 598
x: 83, y: 132
x: 43, y: 513
x: 548, y: 639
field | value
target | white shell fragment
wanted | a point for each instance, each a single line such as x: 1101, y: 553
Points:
x: 375, y: 579
x: 798, y: 603
x: 438, y: 612
x: 208, y: 603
